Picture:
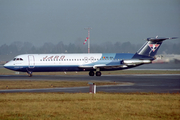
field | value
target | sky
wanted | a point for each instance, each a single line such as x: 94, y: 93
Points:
x: 41, y: 21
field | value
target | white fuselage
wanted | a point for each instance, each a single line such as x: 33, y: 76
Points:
x: 67, y: 62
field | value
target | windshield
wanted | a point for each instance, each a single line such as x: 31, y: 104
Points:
x: 17, y: 59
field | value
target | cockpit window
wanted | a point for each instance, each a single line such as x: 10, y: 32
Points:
x: 17, y: 59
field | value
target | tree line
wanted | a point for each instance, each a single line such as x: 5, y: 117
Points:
x: 17, y: 48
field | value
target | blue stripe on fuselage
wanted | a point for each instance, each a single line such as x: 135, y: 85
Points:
x: 119, y: 57
x: 46, y: 68
x: 124, y: 56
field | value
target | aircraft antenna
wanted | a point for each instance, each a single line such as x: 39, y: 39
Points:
x: 88, y: 38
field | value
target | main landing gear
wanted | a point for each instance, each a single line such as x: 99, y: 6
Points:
x: 91, y: 73
x: 98, y: 73
x: 29, y: 74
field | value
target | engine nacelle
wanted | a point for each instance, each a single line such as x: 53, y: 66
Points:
x: 136, y: 62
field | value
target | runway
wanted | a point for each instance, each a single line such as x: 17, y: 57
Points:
x: 169, y: 83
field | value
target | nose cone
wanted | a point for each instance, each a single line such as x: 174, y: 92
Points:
x: 8, y: 65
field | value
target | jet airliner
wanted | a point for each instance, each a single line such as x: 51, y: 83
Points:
x: 92, y: 62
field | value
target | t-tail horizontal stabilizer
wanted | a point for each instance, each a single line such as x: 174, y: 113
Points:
x: 156, y: 39
x: 151, y: 47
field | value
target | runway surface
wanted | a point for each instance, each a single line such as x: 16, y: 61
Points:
x: 135, y: 83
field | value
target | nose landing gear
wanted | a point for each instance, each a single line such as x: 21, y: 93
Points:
x: 29, y: 74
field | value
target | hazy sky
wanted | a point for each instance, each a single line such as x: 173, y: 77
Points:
x: 40, y: 21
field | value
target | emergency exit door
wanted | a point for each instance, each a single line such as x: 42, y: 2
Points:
x: 31, y: 61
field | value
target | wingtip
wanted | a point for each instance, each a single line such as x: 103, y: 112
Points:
x: 173, y: 38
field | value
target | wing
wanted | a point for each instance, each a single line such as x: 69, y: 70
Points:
x: 103, y: 66
x: 124, y: 64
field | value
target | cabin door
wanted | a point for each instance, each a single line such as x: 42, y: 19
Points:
x: 31, y: 61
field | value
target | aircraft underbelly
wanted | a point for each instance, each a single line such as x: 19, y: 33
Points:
x: 54, y: 68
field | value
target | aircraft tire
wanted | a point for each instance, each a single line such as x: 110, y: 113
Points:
x: 29, y: 74
x: 91, y: 73
x: 98, y: 73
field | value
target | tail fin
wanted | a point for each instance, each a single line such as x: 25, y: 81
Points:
x: 151, y: 47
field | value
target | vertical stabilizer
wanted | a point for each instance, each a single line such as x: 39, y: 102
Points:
x: 151, y: 47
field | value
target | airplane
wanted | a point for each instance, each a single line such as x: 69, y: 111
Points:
x: 92, y: 62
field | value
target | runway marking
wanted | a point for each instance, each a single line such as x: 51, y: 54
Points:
x: 158, y: 83
x: 145, y: 75
x: 66, y: 88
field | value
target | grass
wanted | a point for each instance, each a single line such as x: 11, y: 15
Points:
x: 32, y: 84
x: 4, y: 71
x: 81, y: 106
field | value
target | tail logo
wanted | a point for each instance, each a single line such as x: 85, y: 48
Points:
x: 154, y: 46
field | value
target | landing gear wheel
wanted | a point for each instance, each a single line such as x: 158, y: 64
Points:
x: 98, y: 73
x: 29, y: 74
x: 91, y: 73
